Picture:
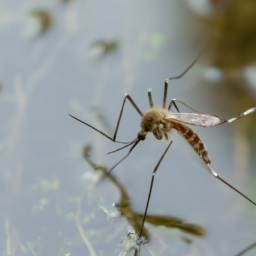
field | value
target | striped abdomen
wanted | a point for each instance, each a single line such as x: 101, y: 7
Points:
x: 194, y: 140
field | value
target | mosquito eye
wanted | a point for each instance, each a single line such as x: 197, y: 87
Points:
x: 157, y: 134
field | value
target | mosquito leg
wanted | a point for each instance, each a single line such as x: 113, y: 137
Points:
x: 151, y: 105
x: 129, y: 144
x: 135, y: 144
x: 178, y: 77
x: 121, y: 112
x: 247, y: 112
x: 165, y: 93
x: 151, y: 186
x: 175, y: 105
x: 189, y: 67
x: 246, y: 250
x: 118, y: 121
x: 218, y: 177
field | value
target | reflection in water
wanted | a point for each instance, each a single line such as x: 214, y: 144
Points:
x: 81, y: 230
x: 39, y: 178
x: 132, y: 241
x: 44, y: 18
x: 66, y: 1
x: 102, y: 47
x: 12, y: 239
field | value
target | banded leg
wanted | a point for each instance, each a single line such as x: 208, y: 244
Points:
x: 151, y: 186
x: 118, y: 121
x: 175, y: 105
x: 247, y: 112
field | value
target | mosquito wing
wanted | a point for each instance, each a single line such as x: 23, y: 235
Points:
x: 204, y: 120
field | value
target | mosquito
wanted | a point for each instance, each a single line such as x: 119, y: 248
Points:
x: 160, y: 121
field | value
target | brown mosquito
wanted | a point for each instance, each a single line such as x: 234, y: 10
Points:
x: 160, y: 121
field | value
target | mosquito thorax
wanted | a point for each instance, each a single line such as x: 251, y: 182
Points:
x: 151, y: 119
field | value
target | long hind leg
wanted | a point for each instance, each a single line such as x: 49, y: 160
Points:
x: 247, y: 112
x: 218, y: 177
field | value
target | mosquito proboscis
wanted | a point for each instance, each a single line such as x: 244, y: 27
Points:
x: 160, y: 121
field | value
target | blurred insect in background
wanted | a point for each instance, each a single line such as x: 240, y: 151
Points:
x: 44, y: 18
x: 160, y: 121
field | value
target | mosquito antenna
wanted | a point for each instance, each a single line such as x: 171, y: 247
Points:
x: 135, y: 144
x: 98, y: 130
x: 133, y: 141
x: 218, y: 177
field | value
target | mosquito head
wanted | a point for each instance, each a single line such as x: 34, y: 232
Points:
x: 153, y: 121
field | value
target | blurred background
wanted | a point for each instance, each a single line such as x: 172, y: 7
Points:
x: 81, y: 57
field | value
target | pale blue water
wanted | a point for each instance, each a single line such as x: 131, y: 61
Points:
x: 42, y: 170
